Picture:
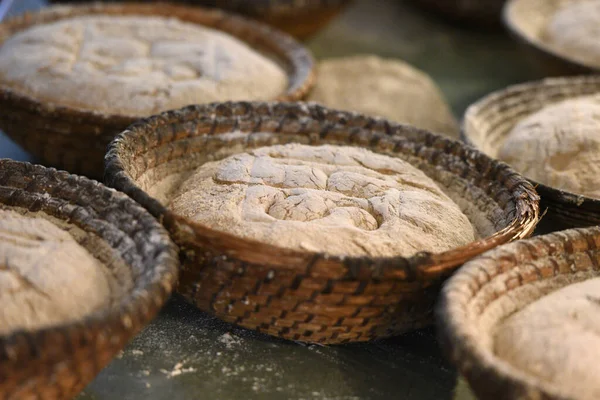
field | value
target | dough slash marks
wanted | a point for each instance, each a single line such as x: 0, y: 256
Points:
x: 135, y: 65
x: 333, y: 199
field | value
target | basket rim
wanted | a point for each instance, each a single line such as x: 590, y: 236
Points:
x: 516, y: 32
x: 460, y: 343
x: 148, y: 295
x: 473, y: 110
x: 301, y: 70
x: 424, y: 265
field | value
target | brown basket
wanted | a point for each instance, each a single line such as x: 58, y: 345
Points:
x: 497, y: 284
x: 480, y: 13
x: 525, y: 20
x: 76, y: 139
x: 57, y: 362
x: 299, y: 18
x: 301, y: 295
x: 487, y: 121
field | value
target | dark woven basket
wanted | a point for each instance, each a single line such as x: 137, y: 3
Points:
x: 76, y: 139
x: 491, y: 118
x: 525, y: 20
x: 300, y: 18
x: 508, y: 279
x: 57, y: 362
x: 477, y: 13
x: 302, y: 295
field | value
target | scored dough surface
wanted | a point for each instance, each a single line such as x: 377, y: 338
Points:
x: 46, y: 277
x: 385, y: 88
x: 334, y: 199
x: 132, y: 65
x: 557, y: 339
x: 559, y: 146
x: 574, y: 31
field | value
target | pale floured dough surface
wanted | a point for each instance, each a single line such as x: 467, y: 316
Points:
x: 334, y: 199
x: 46, y: 277
x: 557, y: 339
x: 385, y: 88
x: 559, y: 146
x: 574, y: 31
x: 135, y: 65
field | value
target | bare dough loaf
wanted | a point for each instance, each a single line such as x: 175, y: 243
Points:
x: 574, y: 31
x: 46, y: 277
x: 559, y: 146
x: 390, y: 89
x: 557, y: 339
x: 135, y: 65
x: 334, y: 199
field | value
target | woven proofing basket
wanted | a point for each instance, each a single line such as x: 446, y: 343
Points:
x: 490, y: 288
x: 57, y: 362
x: 300, y: 18
x: 76, y: 139
x: 488, y: 121
x: 301, y: 295
x: 526, y: 20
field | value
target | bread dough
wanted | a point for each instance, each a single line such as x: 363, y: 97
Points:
x: 574, y: 31
x: 557, y: 339
x: 334, y: 199
x: 390, y: 89
x: 46, y: 277
x: 559, y: 146
x: 132, y: 65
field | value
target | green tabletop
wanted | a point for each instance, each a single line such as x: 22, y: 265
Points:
x: 187, y: 354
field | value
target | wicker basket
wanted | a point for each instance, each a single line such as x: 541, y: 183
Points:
x: 301, y: 295
x: 490, y: 119
x: 57, y: 362
x: 480, y: 13
x: 492, y: 287
x: 526, y: 20
x: 76, y: 139
x: 300, y: 18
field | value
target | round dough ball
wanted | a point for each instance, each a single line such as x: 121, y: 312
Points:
x: 557, y: 339
x: 46, y: 277
x: 390, y: 89
x: 339, y: 200
x: 559, y: 146
x: 574, y: 31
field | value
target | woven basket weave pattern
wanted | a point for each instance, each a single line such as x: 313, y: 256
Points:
x: 75, y: 139
x: 572, y: 254
x: 57, y: 362
x: 300, y: 295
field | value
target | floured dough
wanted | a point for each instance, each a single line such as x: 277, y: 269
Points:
x: 574, y: 31
x: 557, y: 339
x: 333, y: 199
x: 135, y: 65
x: 559, y: 146
x: 46, y: 277
x: 386, y: 88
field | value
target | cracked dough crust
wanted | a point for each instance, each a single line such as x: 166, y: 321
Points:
x: 135, y: 65
x: 46, y: 277
x: 333, y: 199
x: 390, y: 89
x: 557, y: 339
x: 559, y: 146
